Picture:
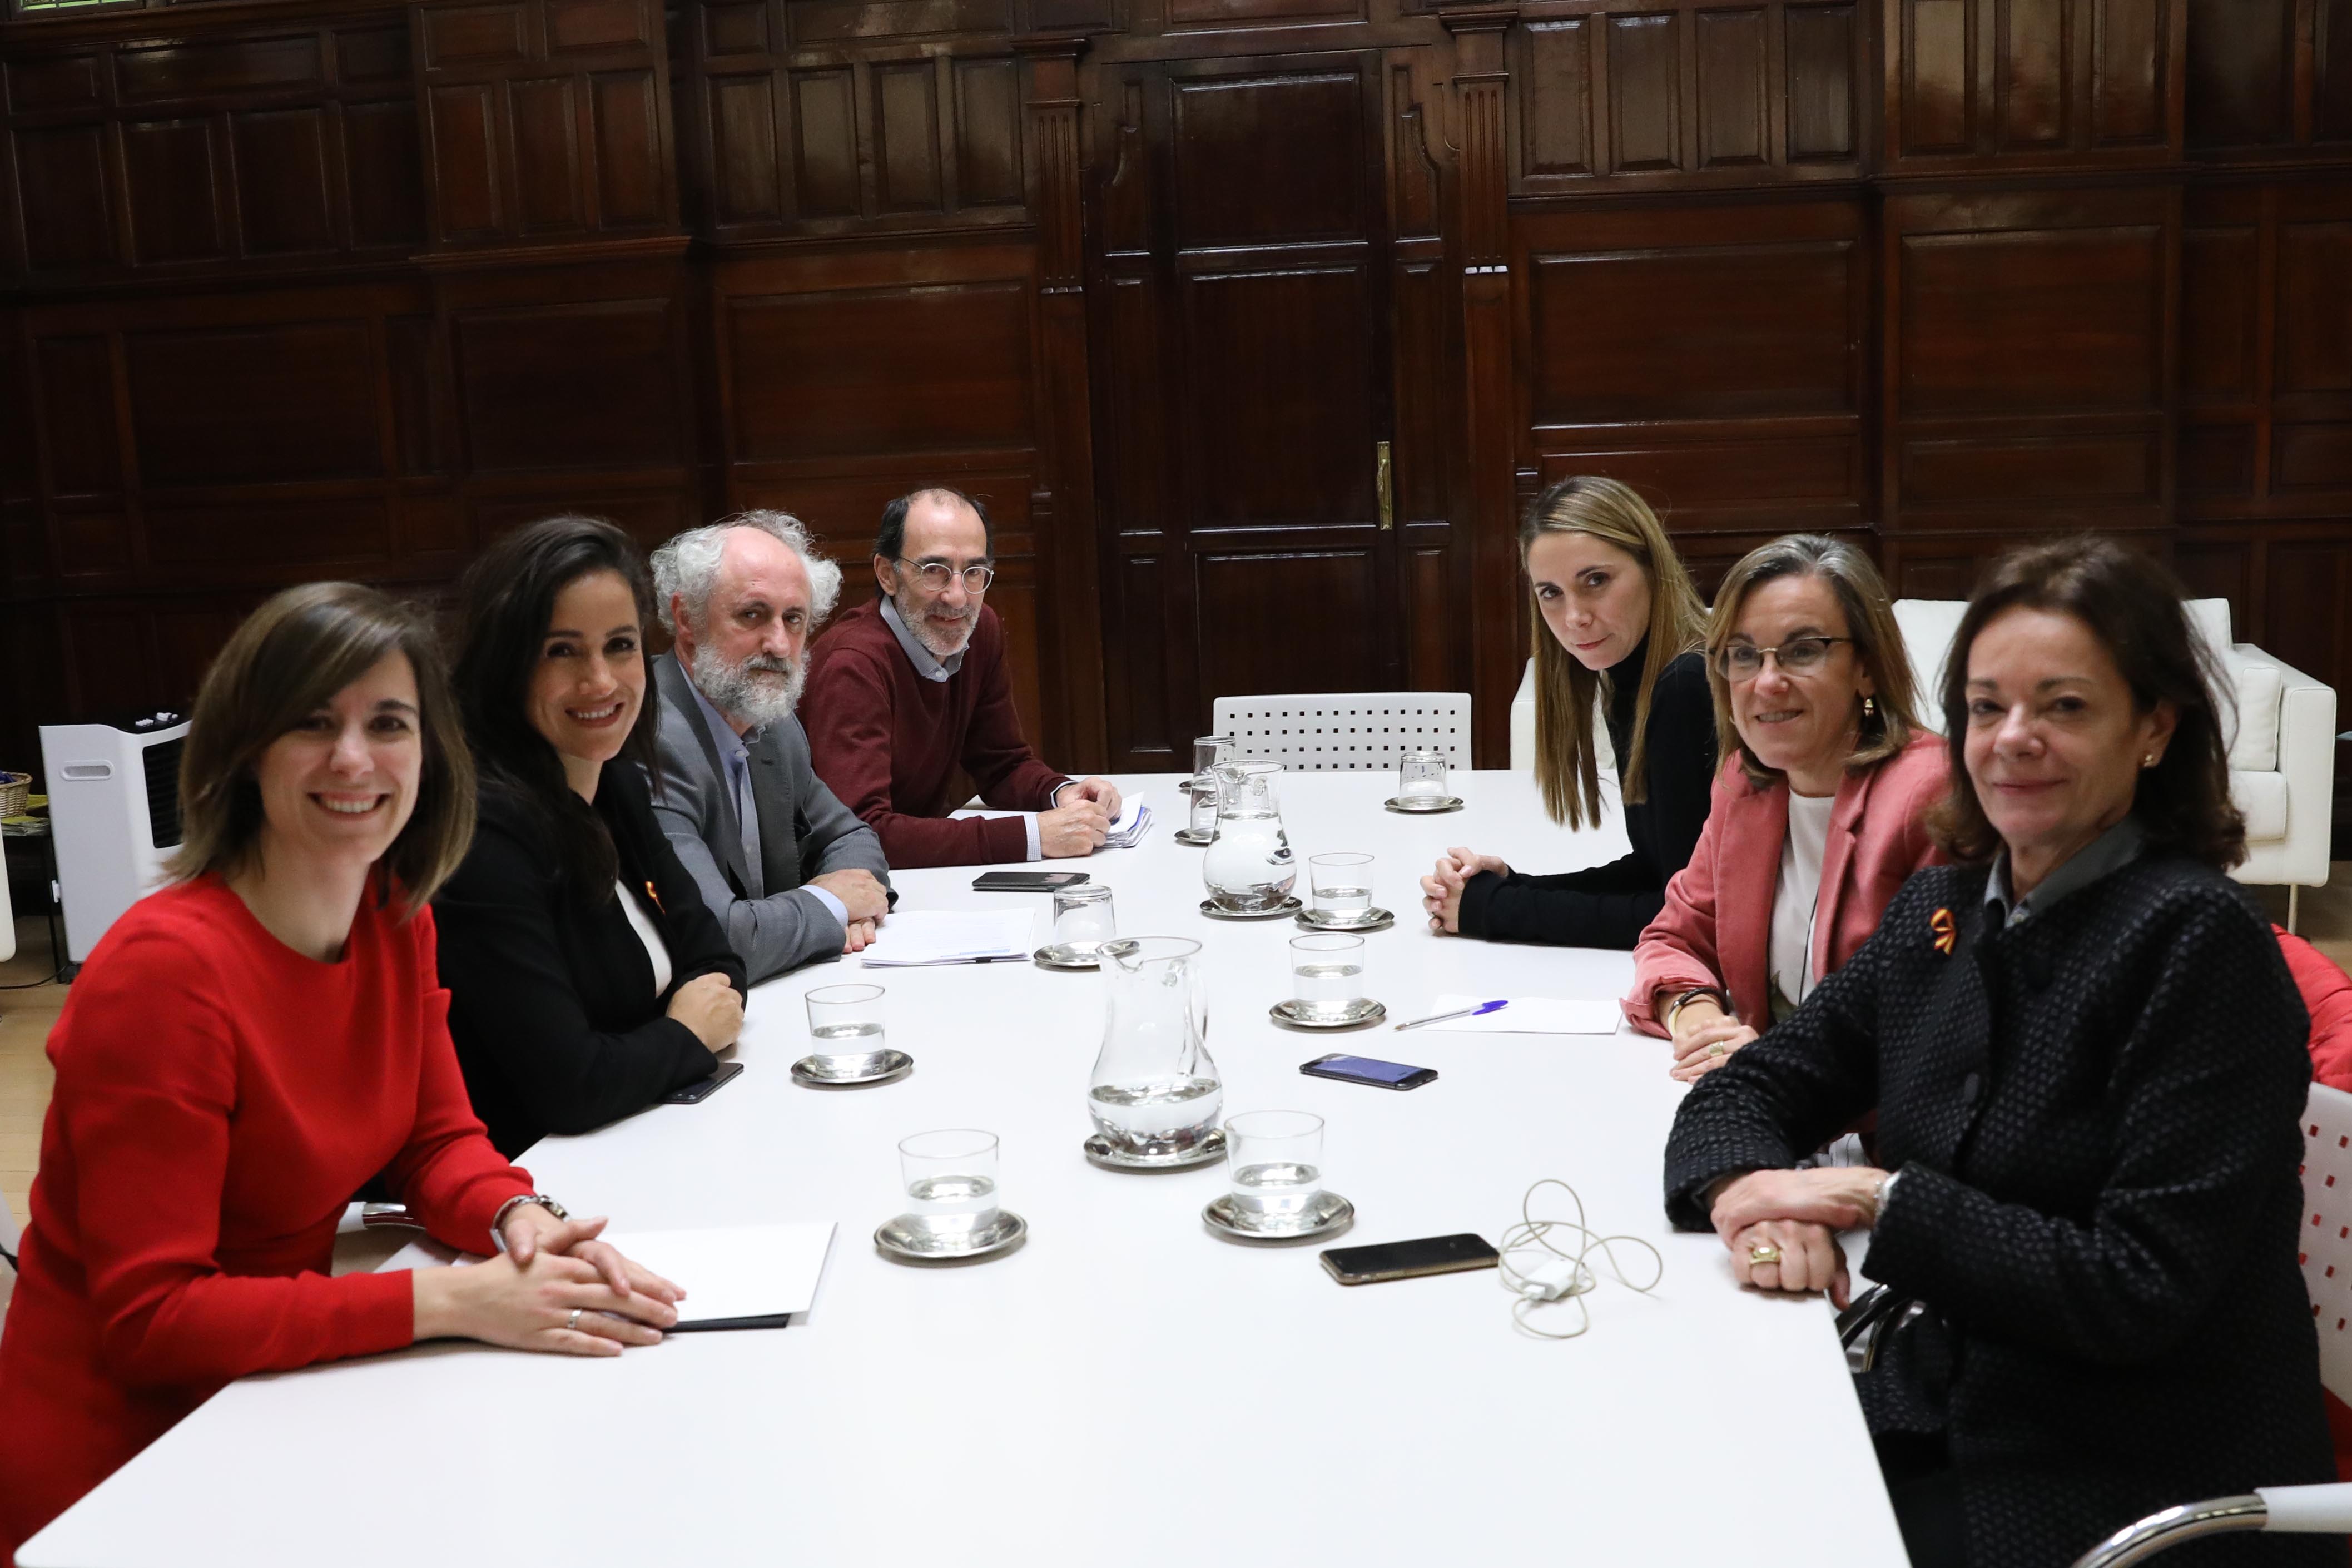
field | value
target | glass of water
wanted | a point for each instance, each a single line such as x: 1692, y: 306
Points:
x: 1208, y: 751
x: 1276, y: 1159
x: 845, y: 1029
x: 1421, y: 775
x: 1203, y: 822
x: 1342, y: 885
x: 1326, y: 976
x: 1083, y: 920
x: 951, y: 1178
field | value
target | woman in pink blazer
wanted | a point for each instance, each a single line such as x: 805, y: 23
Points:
x: 1817, y: 812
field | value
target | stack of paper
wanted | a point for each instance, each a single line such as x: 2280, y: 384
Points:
x: 735, y: 1277
x: 914, y: 937
x: 1133, y: 822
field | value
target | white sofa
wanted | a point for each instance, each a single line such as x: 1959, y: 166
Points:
x: 2282, y: 752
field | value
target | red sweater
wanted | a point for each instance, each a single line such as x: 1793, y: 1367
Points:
x: 219, y: 1098
x: 889, y: 742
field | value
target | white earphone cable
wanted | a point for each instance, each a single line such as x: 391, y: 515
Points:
x: 1546, y: 1272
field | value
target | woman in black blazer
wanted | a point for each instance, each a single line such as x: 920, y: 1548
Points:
x: 586, y: 977
x: 2087, y: 1060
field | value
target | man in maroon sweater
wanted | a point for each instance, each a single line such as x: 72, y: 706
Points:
x: 905, y: 690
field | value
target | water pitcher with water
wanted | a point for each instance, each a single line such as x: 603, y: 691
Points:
x: 1249, y: 866
x: 1155, y: 1092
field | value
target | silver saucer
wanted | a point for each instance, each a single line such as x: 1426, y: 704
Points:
x: 1366, y: 1010
x: 1059, y: 957
x: 898, y: 1241
x: 893, y: 1065
x: 1331, y: 1214
x: 1422, y: 805
x: 1370, y: 920
x: 1216, y: 912
x: 1197, y: 840
x: 1208, y: 1151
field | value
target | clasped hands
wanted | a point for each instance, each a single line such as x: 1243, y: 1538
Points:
x: 1792, y: 1218
x: 864, y: 899
x: 1440, y: 891
x: 556, y: 1288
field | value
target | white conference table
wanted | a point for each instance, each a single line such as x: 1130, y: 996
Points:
x: 1126, y: 1385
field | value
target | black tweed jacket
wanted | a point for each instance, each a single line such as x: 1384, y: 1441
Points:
x: 2095, y: 1114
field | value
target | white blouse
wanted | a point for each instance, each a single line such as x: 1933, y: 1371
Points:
x: 650, y: 934
x: 1790, y: 964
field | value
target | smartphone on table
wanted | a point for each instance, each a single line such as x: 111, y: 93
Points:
x: 702, y: 1089
x: 1409, y: 1260
x: 1025, y: 881
x: 1369, y: 1070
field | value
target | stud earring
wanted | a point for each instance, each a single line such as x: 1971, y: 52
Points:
x: 2148, y: 761
x: 1869, y: 707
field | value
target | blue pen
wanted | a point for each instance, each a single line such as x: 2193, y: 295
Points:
x: 1480, y: 1010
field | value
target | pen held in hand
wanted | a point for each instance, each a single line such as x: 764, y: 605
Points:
x: 1480, y: 1010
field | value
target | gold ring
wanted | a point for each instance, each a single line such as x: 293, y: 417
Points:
x: 1716, y: 1049
x: 1763, y: 1252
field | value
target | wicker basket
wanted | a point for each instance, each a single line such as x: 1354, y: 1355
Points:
x: 16, y: 789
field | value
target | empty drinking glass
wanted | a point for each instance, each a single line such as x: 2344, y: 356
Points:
x: 1326, y: 976
x: 1421, y: 775
x: 846, y: 1029
x: 1342, y: 887
x: 1083, y: 920
x: 951, y: 1179
x: 1276, y: 1158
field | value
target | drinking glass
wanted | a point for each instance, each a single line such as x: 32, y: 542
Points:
x: 1203, y: 822
x: 1421, y: 775
x: 1342, y: 885
x: 1275, y: 1160
x: 1208, y: 751
x: 951, y: 1179
x: 1083, y: 920
x: 845, y: 1029
x: 1327, y: 975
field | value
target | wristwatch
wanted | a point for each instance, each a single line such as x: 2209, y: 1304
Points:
x: 498, y: 1220
x: 1879, y: 1195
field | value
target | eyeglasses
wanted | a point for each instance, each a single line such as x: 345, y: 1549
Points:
x: 937, y: 574
x: 1798, y: 656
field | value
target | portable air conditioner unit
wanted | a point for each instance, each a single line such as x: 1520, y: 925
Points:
x: 114, y: 814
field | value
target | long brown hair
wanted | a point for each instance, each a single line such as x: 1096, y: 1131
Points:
x: 286, y: 662
x: 1567, y: 766
x: 1870, y: 622
x: 2132, y: 605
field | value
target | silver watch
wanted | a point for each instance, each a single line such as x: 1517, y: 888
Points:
x: 498, y: 1220
x: 1885, y: 1191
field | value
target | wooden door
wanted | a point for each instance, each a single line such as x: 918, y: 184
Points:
x: 1242, y: 369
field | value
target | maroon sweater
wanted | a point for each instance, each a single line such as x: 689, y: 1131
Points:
x: 889, y: 742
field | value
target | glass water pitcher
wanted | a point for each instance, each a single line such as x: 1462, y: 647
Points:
x: 1249, y: 867
x: 1155, y: 1092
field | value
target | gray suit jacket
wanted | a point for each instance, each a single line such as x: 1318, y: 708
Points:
x: 804, y: 831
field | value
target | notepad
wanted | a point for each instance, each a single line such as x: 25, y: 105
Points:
x: 1528, y: 1016
x: 919, y: 937
x: 1133, y: 822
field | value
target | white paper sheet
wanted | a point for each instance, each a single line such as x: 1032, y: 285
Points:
x: 949, y: 936
x: 1128, y: 829
x: 727, y: 1271
x: 1527, y: 1015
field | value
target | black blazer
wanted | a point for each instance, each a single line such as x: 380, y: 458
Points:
x: 1607, y: 906
x: 551, y: 1002
x: 2096, y: 1115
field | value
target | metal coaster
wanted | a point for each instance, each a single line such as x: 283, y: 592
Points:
x: 893, y: 1065
x: 1369, y: 921
x: 1197, y: 840
x: 1060, y: 957
x: 1208, y: 1151
x: 1422, y: 805
x: 1366, y: 1011
x: 898, y: 1240
x: 1331, y: 1215
x: 1216, y: 912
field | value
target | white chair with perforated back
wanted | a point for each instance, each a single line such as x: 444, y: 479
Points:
x: 2325, y: 1253
x: 1347, y: 731
x: 8, y: 920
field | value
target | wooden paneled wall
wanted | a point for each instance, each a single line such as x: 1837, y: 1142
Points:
x: 307, y: 287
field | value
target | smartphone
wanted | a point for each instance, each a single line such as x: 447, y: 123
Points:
x: 1408, y: 1259
x: 1369, y: 1069
x: 1025, y: 881
x: 702, y: 1089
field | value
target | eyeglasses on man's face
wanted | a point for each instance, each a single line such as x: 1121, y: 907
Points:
x: 1798, y: 656
x: 936, y: 576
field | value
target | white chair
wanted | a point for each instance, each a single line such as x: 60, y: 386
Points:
x: 7, y: 921
x: 2326, y: 1254
x: 1523, y: 727
x: 1348, y: 731
x: 2282, y: 752
x: 9, y: 1235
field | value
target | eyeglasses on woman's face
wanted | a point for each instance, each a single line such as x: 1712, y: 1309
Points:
x: 935, y: 575
x: 1798, y: 656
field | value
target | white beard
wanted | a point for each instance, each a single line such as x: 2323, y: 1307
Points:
x: 929, y: 635
x: 749, y: 692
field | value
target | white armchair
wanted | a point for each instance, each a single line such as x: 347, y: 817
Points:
x: 1523, y: 727
x: 2282, y: 752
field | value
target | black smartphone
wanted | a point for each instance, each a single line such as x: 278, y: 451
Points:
x: 1409, y: 1260
x: 1025, y: 881
x: 702, y: 1089
x: 1369, y: 1069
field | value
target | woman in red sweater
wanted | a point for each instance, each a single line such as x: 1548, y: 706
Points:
x: 246, y: 1048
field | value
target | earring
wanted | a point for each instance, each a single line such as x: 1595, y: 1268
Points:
x: 1869, y: 707
x: 2148, y: 761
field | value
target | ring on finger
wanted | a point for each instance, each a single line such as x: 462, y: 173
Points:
x: 1763, y: 1252
x: 1716, y: 1049
x: 573, y: 1323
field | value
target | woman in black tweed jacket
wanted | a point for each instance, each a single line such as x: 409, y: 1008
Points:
x: 2087, y: 1060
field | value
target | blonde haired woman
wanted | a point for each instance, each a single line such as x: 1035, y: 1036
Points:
x: 1621, y: 621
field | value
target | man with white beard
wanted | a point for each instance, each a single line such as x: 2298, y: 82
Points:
x: 788, y: 869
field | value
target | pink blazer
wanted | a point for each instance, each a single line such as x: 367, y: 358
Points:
x: 1716, y: 926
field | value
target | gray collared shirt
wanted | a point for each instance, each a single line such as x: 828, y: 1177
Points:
x: 2109, y: 851
x: 735, y: 755
x: 927, y: 665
